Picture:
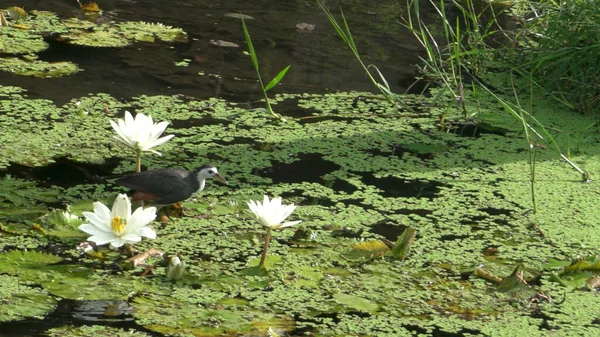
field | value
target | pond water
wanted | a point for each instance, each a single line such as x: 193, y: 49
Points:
x: 406, y: 229
x: 320, y: 62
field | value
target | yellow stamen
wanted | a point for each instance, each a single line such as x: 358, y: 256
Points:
x: 117, y: 225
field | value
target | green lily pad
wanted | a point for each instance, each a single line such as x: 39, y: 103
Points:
x: 356, y: 302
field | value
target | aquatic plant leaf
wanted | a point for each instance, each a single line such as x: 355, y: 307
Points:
x: 19, y: 192
x: 356, y: 302
x: 90, y: 7
x: 20, y: 300
x: 251, y: 50
x: 402, y: 247
x: 20, y: 262
x: 366, y: 250
x: 577, y: 279
x: 277, y: 79
x: 17, y: 13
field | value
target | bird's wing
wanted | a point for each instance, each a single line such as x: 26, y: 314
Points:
x: 160, y: 182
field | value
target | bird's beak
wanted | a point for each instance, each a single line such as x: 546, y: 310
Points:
x: 221, y: 179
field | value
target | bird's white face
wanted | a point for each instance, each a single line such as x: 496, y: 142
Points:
x: 209, y: 173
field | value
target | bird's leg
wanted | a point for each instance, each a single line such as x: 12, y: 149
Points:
x: 163, y: 215
x: 178, y: 209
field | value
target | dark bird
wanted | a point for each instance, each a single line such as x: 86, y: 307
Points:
x: 168, y: 186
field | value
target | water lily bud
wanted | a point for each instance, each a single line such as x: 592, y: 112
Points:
x: 176, y: 269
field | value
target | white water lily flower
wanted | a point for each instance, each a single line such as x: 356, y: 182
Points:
x: 271, y: 214
x: 118, y: 226
x: 141, y: 133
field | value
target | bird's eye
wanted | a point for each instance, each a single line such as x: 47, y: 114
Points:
x: 211, y: 172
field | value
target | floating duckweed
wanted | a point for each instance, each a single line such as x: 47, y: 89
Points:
x: 19, y: 41
x: 145, y: 31
x: 99, y: 37
x: 93, y: 330
x: 20, y: 300
x: 37, y: 68
x: 359, y: 180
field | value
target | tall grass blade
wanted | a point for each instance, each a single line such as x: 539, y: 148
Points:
x: 250, y: 46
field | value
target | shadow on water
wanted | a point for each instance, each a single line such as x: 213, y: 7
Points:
x: 402, y: 188
x: 113, y: 313
x: 66, y: 173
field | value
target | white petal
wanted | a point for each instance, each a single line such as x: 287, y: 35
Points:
x: 159, y: 141
x: 253, y: 207
x: 102, y: 211
x: 129, y: 118
x: 140, y: 218
x: 286, y: 211
x: 147, y: 232
x: 121, y: 207
x: 153, y: 151
x: 117, y: 242
x: 93, y: 230
x: 121, y: 131
x: 127, y: 131
x: 158, y: 129
x: 97, y: 221
x: 289, y: 223
x: 133, y: 238
x: 102, y: 239
x: 276, y: 203
x: 101, y: 216
x: 127, y: 144
x: 116, y: 127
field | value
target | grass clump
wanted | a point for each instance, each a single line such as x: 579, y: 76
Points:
x: 565, y: 53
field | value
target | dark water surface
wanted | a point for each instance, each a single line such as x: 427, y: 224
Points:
x: 319, y: 60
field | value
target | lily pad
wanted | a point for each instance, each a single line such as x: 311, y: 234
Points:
x: 356, y: 302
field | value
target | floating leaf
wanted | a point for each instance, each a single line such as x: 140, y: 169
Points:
x: 223, y: 43
x: 356, y: 302
x: 17, y: 13
x: 403, y: 244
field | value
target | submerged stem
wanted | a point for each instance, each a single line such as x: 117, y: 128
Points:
x: 265, y: 248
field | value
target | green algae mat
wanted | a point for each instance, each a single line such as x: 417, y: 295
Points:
x: 480, y: 263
